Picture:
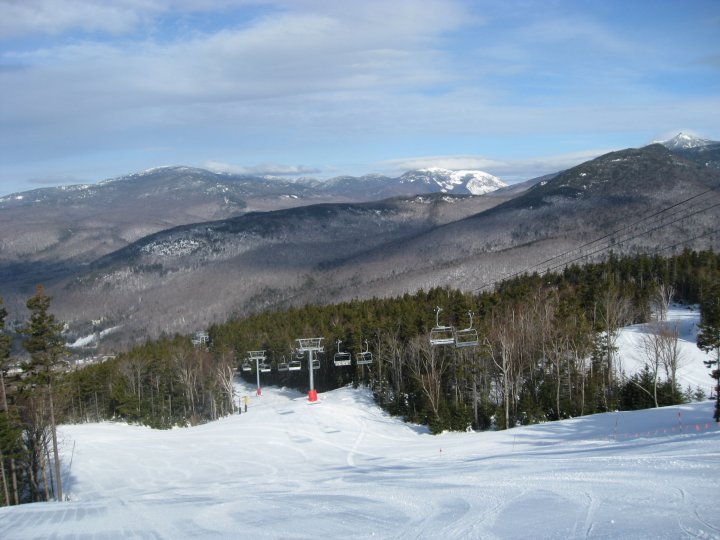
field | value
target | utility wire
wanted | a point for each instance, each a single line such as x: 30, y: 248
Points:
x: 610, y: 235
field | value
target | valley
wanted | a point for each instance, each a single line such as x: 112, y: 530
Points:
x: 151, y: 266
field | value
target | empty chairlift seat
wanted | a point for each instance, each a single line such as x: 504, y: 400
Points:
x: 467, y: 337
x: 264, y: 366
x: 294, y: 365
x: 342, y: 358
x: 365, y: 357
x: 441, y: 335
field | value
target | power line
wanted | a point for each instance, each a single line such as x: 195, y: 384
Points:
x: 660, y: 213
x: 635, y: 236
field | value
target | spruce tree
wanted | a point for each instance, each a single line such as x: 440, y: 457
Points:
x: 46, y: 348
x: 4, y: 356
x: 708, y: 338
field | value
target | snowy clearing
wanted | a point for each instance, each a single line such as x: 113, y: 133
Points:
x: 692, y: 372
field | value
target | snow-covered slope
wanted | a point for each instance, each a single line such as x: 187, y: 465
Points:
x: 341, y: 468
x: 692, y: 371
x: 684, y: 141
x: 475, y: 182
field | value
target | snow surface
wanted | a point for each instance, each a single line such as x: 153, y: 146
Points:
x: 342, y: 468
x: 476, y: 182
x: 692, y: 371
x: 685, y: 141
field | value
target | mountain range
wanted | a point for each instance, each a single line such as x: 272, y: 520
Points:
x: 175, y: 249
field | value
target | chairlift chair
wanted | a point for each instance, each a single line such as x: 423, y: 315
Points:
x: 365, y: 357
x: 467, y: 337
x: 295, y: 363
x: 342, y: 358
x: 246, y: 365
x: 264, y: 366
x: 441, y: 335
x: 283, y: 365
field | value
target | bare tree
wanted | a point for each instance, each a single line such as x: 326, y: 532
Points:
x: 427, y: 366
x: 391, y: 350
x: 614, y: 312
x: 133, y: 370
x: 662, y: 299
x: 670, y: 354
x: 651, y: 345
x: 186, y: 372
x: 225, y: 374
x: 502, y: 346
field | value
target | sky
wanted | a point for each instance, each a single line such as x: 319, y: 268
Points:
x: 94, y: 89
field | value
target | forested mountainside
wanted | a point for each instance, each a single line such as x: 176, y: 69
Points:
x: 545, y: 350
x: 635, y: 201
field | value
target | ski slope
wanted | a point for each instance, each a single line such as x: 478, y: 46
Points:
x: 342, y: 468
x: 692, y: 371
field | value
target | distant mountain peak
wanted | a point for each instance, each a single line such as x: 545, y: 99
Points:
x: 683, y: 141
x: 472, y: 181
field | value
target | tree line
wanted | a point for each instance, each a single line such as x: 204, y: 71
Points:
x: 546, y: 350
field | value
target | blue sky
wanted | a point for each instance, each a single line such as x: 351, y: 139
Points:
x: 93, y: 89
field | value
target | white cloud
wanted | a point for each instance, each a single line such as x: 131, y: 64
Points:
x: 20, y: 17
x: 328, y: 82
x: 508, y: 170
x: 263, y: 169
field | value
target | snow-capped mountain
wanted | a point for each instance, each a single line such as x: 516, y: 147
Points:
x: 684, y: 141
x: 463, y: 181
x: 702, y: 151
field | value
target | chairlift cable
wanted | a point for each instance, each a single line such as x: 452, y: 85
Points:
x: 605, y: 237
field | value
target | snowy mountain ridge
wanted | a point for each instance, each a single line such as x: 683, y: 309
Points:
x: 684, y: 141
x: 476, y: 182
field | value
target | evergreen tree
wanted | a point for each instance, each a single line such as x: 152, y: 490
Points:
x: 7, y: 434
x: 46, y: 348
x: 708, y: 338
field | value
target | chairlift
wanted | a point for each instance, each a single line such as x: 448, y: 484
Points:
x: 342, y: 358
x: 283, y: 365
x: 246, y: 365
x: 264, y: 366
x: 316, y: 363
x: 467, y: 337
x: 441, y: 335
x: 295, y: 364
x: 365, y: 357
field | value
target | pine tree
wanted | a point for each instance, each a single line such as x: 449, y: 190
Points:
x: 708, y: 338
x: 46, y: 348
x: 4, y: 356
